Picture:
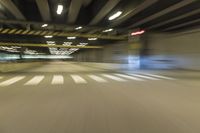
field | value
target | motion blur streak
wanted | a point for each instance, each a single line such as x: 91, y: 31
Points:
x: 99, y: 66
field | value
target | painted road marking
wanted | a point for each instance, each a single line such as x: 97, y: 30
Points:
x: 57, y: 80
x: 78, y: 79
x: 142, y: 76
x: 97, y: 78
x: 35, y: 80
x: 158, y: 76
x: 129, y: 77
x: 12, y: 81
x: 114, y: 77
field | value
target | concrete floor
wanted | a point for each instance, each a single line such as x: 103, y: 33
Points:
x: 123, y: 105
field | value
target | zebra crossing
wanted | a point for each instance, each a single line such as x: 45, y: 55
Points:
x: 57, y: 80
x: 35, y: 80
x: 83, y: 79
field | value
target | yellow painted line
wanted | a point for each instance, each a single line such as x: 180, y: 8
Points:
x: 49, y: 33
x: 51, y: 46
x: 62, y: 34
x: 25, y: 32
x: 31, y: 32
x: 12, y: 31
x: 18, y: 32
x: 5, y: 31
x: 43, y: 33
x: 55, y: 33
x: 37, y: 33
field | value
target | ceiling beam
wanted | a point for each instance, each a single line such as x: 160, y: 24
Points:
x: 11, y: 7
x: 175, y: 19
x: 48, y: 46
x: 74, y: 9
x: 43, y: 33
x: 163, y: 12
x: 59, y: 26
x: 86, y: 2
x: 104, y: 11
x: 133, y: 12
x: 43, y: 7
x: 182, y: 25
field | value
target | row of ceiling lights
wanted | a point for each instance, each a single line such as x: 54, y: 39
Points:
x: 67, y: 43
x: 112, y: 17
x: 80, y: 27
x: 70, y: 51
x: 16, y: 49
x: 64, y: 51
x: 72, y: 38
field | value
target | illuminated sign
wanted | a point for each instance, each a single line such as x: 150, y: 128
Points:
x: 137, y: 33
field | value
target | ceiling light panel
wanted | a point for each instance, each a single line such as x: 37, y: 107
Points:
x: 114, y: 16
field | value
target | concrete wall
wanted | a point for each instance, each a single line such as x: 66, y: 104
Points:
x: 112, y: 53
x: 182, y: 49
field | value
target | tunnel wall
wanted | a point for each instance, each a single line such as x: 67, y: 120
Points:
x: 111, y: 53
x: 181, y: 51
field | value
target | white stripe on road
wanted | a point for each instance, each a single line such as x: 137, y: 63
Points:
x: 97, y: 78
x: 78, y: 79
x: 145, y: 77
x: 57, y: 80
x: 11, y: 81
x: 129, y: 77
x: 158, y: 76
x: 114, y: 77
x: 35, y: 80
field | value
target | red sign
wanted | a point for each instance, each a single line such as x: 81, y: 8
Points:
x: 137, y: 33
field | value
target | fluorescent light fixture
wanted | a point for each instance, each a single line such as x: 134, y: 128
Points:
x: 50, y: 42
x: 116, y: 15
x: 81, y: 43
x: 108, y: 30
x: 78, y: 28
x: 44, y: 25
x: 92, y: 39
x: 67, y: 43
x: 137, y: 33
x: 59, y: 9
x: 73, y: 49
x: 71, y: 37
x: 48, y: 36
x: 16, y: 47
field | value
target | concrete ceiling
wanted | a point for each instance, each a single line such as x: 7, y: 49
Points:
x: 96, y: 12
x: 92, y: 16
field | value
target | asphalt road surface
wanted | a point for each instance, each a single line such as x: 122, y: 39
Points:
x: 73, y: 98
